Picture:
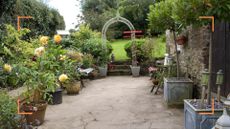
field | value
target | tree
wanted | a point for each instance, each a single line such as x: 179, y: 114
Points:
x: 97, y: 12
x: 45, y: 20
x: 160, y: 19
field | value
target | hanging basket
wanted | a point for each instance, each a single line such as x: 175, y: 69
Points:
x: 181, y: 40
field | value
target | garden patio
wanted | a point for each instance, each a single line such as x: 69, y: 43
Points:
x: 114, y: 103
x: 116, y: 64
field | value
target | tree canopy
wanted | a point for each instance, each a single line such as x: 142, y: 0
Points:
x: 45, y: 20
x: 97, y: 12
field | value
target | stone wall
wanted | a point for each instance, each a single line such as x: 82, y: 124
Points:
x: 193, y: 55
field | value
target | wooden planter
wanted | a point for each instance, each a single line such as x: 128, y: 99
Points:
x: 73, y: 88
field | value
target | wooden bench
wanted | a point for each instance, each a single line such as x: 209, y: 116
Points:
x: 138, y: 34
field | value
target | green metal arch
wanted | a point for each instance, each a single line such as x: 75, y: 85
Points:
x: 118, y: 18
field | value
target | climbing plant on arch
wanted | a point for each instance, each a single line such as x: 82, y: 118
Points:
x: 118, y: 18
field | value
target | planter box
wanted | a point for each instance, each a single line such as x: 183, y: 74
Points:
x: 194, y: 120
x: 176, y: 90
x: 135, y: 70
x: 103, y: 71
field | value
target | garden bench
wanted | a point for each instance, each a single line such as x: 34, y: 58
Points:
x: 85, y: 74
x: 138, y: 34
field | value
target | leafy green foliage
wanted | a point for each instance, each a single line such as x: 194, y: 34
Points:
x: 87, y: 61
x: 83, y: 34
x: 15, y: 52
x: 143, y: 50
x: 219, y: 9
x: 45, y: 20
x: 160, y: 16
x: 187, y: 12
x: 98, y: 12
x: 95, y: 47
x: 8, y: 112
x: 135, y: 11
x: 12, y: 46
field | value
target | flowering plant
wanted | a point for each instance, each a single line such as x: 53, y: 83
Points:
x: 51, y: 67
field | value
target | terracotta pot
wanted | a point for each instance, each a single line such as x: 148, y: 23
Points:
x: 38, y: 110
x: 73, y: 88
x: 181, y: 40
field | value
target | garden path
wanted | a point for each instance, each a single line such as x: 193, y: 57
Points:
x: 120, y: 102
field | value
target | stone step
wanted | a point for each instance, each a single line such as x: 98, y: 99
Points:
x: 120, y: 66
x: 119, y: 72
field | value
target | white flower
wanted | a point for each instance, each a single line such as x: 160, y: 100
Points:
x: 39, y: 51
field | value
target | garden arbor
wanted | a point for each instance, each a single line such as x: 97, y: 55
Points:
x: 118, y: 18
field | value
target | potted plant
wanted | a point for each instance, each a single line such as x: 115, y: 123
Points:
x: 178, y: 88
x: 70, y: 77
x: 39, y: 85
x: 134, y: 68
x: 102, y: 64
x: 42, y: 83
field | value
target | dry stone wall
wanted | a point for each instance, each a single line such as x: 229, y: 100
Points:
x: 193, y: 55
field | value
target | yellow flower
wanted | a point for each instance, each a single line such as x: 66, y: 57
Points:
x: 7, y: 68
x: 44, y: 40
x: 39, y: 51
x: 63, y: 78
x: 57, y: 39
x: 62, y: 57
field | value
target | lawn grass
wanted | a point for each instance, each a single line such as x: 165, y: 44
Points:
x: 119, y: 50
x: 159, y: 47
x: 120, y: 53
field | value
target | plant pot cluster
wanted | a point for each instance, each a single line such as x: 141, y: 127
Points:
x: 52, y: 72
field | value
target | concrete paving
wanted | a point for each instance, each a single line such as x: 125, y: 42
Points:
x: 120, y: 102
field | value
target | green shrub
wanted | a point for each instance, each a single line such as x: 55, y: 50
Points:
x: 84, y: 33
x: 143, y: 50
x: 95, y: 47
x: 87, y: 61
x: 8, y: 112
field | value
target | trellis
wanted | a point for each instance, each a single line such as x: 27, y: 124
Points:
x: 118, y: 18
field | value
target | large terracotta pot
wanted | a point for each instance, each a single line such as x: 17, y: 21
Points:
x: 73, y: 88
x: 38, y: 110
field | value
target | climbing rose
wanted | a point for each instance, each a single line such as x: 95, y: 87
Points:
x: 63, y: 78
x: 7, y: 68
x: 39, y: 51
x: 57, y: 39
x: 44, y: 40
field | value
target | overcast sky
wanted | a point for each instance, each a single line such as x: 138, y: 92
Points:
x: 69, y: 9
